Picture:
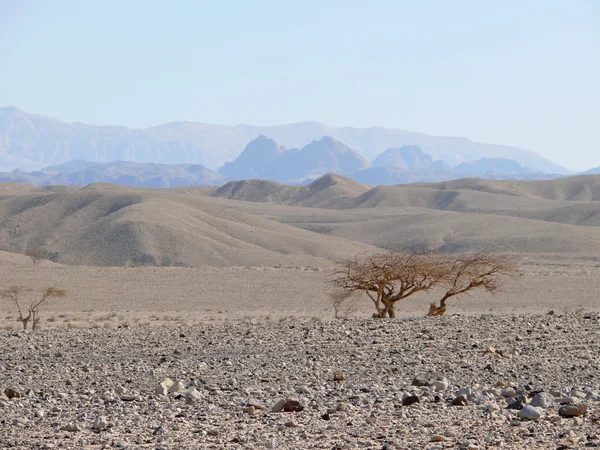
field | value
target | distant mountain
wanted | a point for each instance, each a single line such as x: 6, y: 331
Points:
x: 71, y: 166
x: 491, y: 168
x: 264, y: 159
x: 592, y: 171
x: 395, y: 175
x: 124, y: 173
x: 30, y: 141
x: 409, y: 157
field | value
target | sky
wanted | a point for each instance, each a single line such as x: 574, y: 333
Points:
x: 514, y: 72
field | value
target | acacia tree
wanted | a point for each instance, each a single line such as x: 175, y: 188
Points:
x: 468, y: 271
x: 388, y: 277
x: 15, y: 293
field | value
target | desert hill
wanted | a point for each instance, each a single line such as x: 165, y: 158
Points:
x: 550, y: 217
x: 111, y: 225
x: 257, y: 222
x: 328, y: 191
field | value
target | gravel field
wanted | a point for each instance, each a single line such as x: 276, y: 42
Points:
x: 502, y: 381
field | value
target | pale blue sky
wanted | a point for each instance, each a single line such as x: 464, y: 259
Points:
x: 519, y: 72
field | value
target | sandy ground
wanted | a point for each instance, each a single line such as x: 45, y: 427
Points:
x: 109, y: 297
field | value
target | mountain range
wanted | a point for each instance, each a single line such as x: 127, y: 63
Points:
x: 31, y: 141
x: 265, y: 159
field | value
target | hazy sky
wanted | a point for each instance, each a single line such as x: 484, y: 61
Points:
x: 524, y: 73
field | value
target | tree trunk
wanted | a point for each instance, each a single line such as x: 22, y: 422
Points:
x: 438, y: 310
x: 392, y: 311
x: 25, y: 320
x: 387, y: 311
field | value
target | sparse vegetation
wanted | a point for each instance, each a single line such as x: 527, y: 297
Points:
x: 392, y: 276
x: 343, y: 302
x: 15, y: 295
x: 37, y: 254
x: 388, y: 277
x: 469, y: 271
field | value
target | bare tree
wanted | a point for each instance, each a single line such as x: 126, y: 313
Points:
x: 468, y: 271
x: 37, y: 254
x: 343, y: 302
x: 388, y: 277
x: 15, y: 293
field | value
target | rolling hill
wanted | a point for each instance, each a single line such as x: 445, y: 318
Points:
x: 109, y: 225
x: 264, y: 223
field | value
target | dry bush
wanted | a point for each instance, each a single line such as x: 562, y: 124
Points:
x: 392, y: 276
x: 344, y: 303
x: 15, y: 295
x: 37, y: 254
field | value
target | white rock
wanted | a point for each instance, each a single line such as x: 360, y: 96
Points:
x: 543, y: 400
x: 530, y: 413
x: 178, y: 386
x: 441, y: 385
x: 100, y: 423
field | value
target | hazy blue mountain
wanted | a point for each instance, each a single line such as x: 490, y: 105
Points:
x: 123, y: 173
x: 264, y: 159
x: 592, y: 171
x: 259, y: 160
x: 491, y: 167
x: 71, y: 166
x: 30, y: 141
x: 396, y: 175
x: 409, y: 157
x: 488, y: 168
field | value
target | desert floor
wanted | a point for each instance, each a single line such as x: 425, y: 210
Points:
x: 113, y: 296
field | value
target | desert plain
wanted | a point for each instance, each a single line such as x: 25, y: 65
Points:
x: 201, y: 318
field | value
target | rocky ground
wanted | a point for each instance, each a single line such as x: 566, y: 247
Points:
x: 528, y: 381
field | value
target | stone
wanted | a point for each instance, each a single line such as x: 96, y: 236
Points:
x: 176, y: 387
x: 292, y: 406
x: 515, y: 404
x: 278, y: 406
x: 21, y: 422
x: 438, y: 438
x: 100, y: 423
x: 12, y: 393
x: 160, y: 390
x: 71, y: 426
x: 410, y: 400
x: 441, y: 385
x: 572, y: 410
x: 419, y: 381
x: 255, y: 403
x: 543, y: 400
x: 192, y: 396
x: 508, y: 392
x: 461, y: 400
x: 530, y: 413
x: 338, y: 376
